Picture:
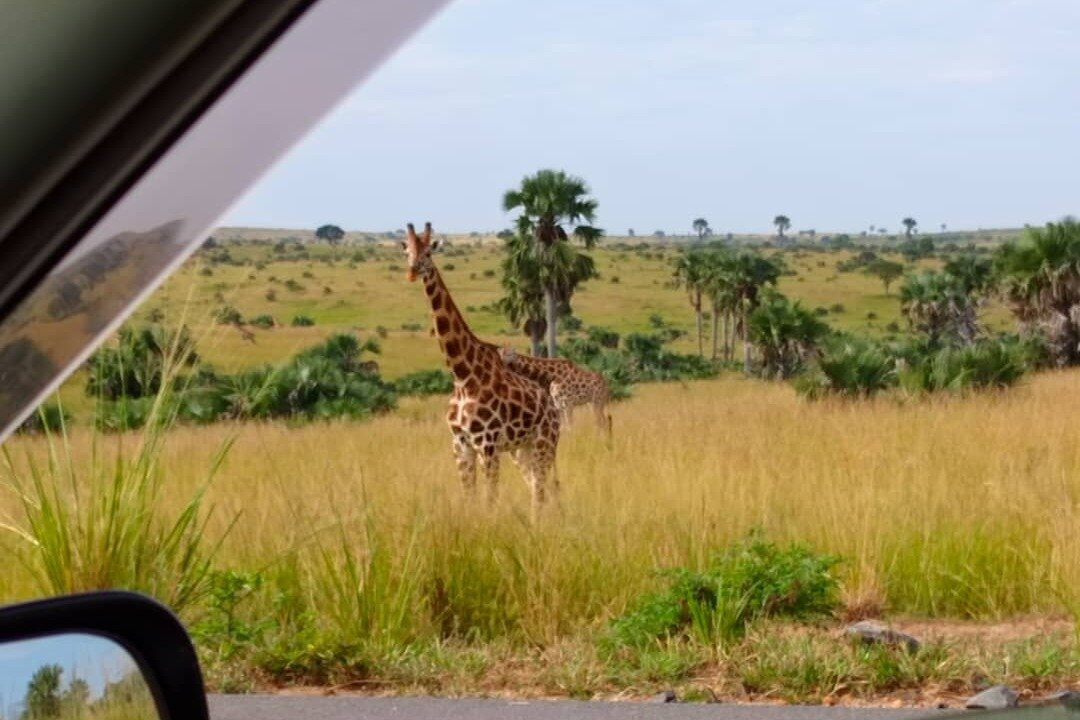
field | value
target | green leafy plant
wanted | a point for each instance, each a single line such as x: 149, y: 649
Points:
x: 752, y: 579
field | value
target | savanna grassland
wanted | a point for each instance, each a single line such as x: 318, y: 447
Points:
x: 345, y: 554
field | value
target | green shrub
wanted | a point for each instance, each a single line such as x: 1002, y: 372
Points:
x: 425, y: 382
x: 603, y: 337
x: 849, y: 367
x: 750, y: 580
x: 983, y: 365
x: 302, y: 321
x: 570, y: 323
x: 262, y: 321
x: 293, y: 286
x: 228, y: 315
x: 134, y: 366
x: 50, y: 417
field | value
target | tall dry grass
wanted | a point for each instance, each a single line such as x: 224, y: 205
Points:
x: 952, y: 507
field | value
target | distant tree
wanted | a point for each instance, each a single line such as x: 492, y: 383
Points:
x: 701, y: 227
x: 43, y: 694
x: 209, y: 243
x: 943, y: 227
x: 782, y: 223
x: 330, y: 233
x: 76, y: 697
x: 658, y: 233
x: 505, y: 234
x: 887, y: 271
x: 691, y: 273
x: 630, y: 232
x: 909, y: 226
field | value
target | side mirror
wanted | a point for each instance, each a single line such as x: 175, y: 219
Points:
x: 102, y: 654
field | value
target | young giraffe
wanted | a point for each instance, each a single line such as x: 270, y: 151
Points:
x: 569, y: 384
x: 492, y: 409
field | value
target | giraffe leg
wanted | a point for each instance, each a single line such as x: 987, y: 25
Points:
x: 540, y: 472
x: 466, y: 462
x: 490, y: 460
x: 603, y: 418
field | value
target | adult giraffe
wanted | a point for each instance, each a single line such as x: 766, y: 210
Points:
x: 493, y: 409
x: 569, y: 384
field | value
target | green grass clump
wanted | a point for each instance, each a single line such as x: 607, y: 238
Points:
x: 753, y: 579
x: 425, y: 382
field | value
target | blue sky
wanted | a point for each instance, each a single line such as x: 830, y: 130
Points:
x: 837, y: 113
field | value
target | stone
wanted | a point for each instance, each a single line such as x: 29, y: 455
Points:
x: 1068, y: 698
x: 668, y: 696
x: 997, y: 697
x: 874, y: 632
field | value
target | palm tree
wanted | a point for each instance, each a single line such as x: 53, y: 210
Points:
x: 936, y: 304
x: 1040, y: 278
x: 547, y: 200
x: 523, y: 303
x: 786, y: 333
x: 718, y: 285
x: 909, y: 226
x: 750, y: 272
x: 782, y: 223
x: 701, y: 227
x: 691, y: 272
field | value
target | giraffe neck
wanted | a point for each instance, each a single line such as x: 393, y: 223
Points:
x: 457, y: 342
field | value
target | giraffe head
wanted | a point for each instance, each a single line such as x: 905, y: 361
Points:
x: 418, y: 249
x: 509, y: 356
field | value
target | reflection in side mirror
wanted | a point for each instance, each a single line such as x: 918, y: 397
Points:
x: 108, y: 655
x: 72, y: 676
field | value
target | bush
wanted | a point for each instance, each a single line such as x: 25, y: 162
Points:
x: 570, y: 323
x: 983, y: 365
x: 425, y: 382
x: 293, y: 286
x: 750, y: 580
x: 262, y: 321
x: 603, y: 337
x: 836, y: 308
x: 228, y: 315
x: 136, y: 365
x: 271, y: 295
x: 50, y: 417
x: 123, y: 414
x: 302, y: 321
x: 849, y: 367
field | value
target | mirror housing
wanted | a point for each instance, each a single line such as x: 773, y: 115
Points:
x: 146, y: 629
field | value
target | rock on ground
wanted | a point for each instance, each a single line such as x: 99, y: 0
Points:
x: 998, y: 697
x: 870, y: 631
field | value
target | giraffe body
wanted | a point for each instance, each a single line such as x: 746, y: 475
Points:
x: 569, y: 384
x: 493, y: 410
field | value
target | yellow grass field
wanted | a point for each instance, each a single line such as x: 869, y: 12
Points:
x: 956, y: 507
